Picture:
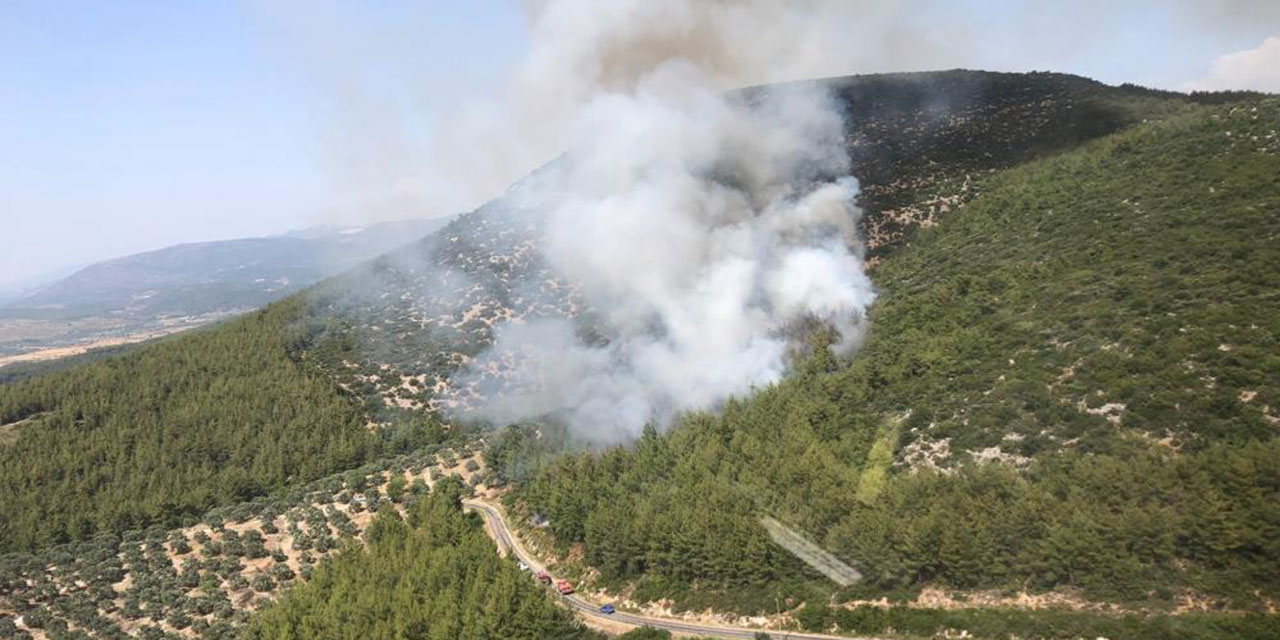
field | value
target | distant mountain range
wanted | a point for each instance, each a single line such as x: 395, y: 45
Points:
x: 11, y: 290
x: 186, y: 283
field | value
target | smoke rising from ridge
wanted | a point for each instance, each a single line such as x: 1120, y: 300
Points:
x: 579, y: 49
x: 658, y: 158
x: 419, y: 116
x: 701, y: 226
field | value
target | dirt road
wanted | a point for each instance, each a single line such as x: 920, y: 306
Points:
x: 496, y: 526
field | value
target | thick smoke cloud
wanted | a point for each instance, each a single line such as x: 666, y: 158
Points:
x: 701, y: 227
x: 579, y: 49
x: 417, y: 118
x: 1256, y: 69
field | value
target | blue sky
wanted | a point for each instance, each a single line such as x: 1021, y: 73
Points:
x: 130, y: 125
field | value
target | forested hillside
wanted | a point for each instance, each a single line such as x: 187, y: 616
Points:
x: 173, y: 429
x: 206, y: 579
x: 920, y: 143
x: 1071, y: 383
x: 431, y: 575
x: 167, y: 432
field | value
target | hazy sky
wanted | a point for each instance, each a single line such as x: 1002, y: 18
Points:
x: 130, y: 125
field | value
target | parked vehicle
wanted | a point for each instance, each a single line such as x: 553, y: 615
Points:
x: 524, y: 567
x: 606, y: 608
x: 543, y: 577
x: 564, y: 587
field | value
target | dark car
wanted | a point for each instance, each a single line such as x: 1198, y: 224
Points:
x: 606, y: 608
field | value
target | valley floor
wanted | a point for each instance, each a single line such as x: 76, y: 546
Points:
x: 29, y: 340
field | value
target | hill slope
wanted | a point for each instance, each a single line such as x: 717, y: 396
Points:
x: 393, y: 332
x: 168, y: 432
x: 920, y: 144
x: 1069, y: 384
x: 435, y: 576
x: 1028, y: 291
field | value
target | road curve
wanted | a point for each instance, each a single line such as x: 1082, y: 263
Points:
x: 498, y: 530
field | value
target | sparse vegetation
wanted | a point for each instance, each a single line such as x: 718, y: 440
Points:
x: 136, y: 580
x: 433, y: 574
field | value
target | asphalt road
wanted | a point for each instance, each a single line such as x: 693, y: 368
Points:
x: 502, y: 536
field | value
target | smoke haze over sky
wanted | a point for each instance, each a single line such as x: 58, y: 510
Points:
x: 127, y: 126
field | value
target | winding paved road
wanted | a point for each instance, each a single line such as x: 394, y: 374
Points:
x: 497, y: 529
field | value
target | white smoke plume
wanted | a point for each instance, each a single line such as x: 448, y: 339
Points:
x: 416, y: 119
x: 581, y: 49
x: 700, y: 224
